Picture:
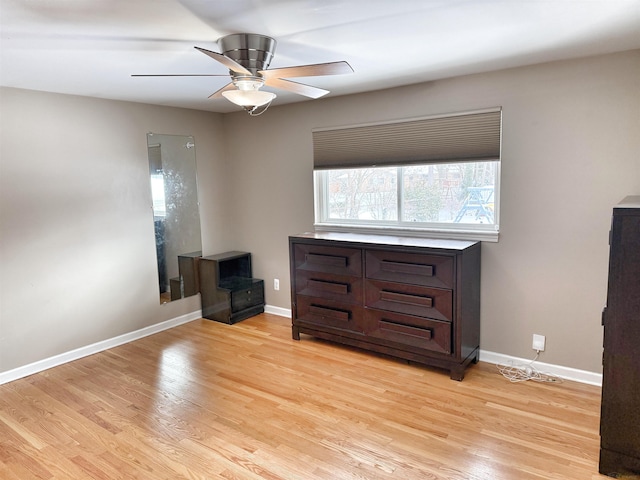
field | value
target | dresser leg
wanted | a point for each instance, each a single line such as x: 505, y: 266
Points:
x: 457, y: 373
x: 295, y: 332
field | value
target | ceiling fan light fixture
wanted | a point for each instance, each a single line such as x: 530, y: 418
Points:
x: 246, y: 83
x: 249, y: 99
x: 248, y: 94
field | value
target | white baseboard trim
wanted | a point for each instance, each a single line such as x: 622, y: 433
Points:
x: 568, y: 373
x: 283, y: 312
x: 78, y: 353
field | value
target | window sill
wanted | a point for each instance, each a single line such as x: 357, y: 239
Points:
x: 474, y: 235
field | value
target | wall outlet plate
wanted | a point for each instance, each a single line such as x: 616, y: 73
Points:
x: 538, y: 342
x: 276, y: 284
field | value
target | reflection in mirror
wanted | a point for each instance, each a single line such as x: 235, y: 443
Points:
x: 172, y: 168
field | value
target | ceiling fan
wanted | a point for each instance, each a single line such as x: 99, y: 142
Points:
x: 247, y: 56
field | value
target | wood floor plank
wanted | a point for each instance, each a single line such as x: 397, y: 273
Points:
x: 207, y: 400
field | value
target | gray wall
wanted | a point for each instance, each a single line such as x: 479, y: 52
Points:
x: 77, y: 254
x: 77, y: 248
x: 571, y: 150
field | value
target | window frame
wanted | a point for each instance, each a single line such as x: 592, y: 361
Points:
x: 458, y: 231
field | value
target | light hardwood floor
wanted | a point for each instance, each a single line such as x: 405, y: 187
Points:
x: 207, y: 400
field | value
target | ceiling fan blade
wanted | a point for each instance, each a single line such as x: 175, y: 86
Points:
x: 226, y: 61
x: 295, y: 87
x: 179, y: 75
x: 218, y: 94
x: 314, y: 70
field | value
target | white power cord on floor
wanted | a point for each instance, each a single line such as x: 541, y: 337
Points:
x: 527, y: 371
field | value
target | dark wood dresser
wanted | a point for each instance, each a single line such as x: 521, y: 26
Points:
x: 620, y: 415
x: 412, y: 298
x: 228, y: 290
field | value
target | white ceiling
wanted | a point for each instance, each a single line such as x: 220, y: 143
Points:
x: 91, y: 47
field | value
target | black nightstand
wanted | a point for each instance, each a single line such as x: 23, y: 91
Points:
x: 228, y: 290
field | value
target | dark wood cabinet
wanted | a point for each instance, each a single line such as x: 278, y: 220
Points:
x: 228, y: 290
x: 620, y: 415
x: 413, y: 298
x: 188, y: 270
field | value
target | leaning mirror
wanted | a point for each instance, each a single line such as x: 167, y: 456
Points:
x: 176, y: 217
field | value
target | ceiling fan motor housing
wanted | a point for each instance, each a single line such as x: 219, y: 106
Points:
x: 254, y: 52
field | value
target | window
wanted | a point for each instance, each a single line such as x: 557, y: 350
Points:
x: 436, y: 176
x: 459, y: 198
x: 157, y: 195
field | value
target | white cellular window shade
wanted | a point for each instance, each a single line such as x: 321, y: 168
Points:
x: 463, y: 137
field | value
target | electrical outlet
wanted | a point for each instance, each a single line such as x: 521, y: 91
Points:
x: 276, y: 284
x: 538, y: 342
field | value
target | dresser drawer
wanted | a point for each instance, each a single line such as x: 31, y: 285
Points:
x: 328, y: 259
x: 342, y: 288
x: 323, y: 312
x: 416, y: 269
x: 435, y: 303
x: 409, y: 330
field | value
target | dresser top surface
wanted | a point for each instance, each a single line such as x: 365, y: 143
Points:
x: 392, y: 240
x: 226, y: 256
x: 632, y: 201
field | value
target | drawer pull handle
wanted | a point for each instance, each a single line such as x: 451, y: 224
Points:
x: 330, y: 260
x: 410, y: 268
x: 329, y: 312
x: 425, y: 333
x: 330, y: 287
x: 406, y: 298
